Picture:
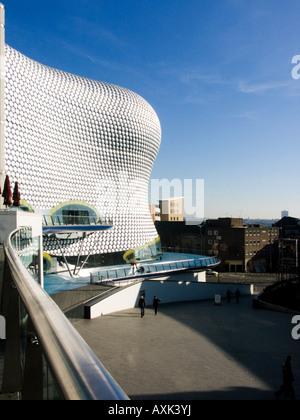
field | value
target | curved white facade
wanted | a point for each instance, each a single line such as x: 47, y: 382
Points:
x: 71, y: 138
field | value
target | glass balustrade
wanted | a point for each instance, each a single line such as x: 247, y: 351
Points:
x: 45, y: 357
x: 27, y: 249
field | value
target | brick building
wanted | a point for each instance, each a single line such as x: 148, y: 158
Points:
x: 240, y: 247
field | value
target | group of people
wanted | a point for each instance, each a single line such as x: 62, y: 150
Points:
x: 142, y: 304
x: 237, y: 295
x: 155, y: 301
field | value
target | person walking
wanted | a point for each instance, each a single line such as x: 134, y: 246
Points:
x: 237, y: 295
x: 142, y: 305
x: 155, y: 303
x: 287, y: 387
x: 228, y: 295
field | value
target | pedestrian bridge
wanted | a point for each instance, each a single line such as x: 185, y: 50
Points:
x: 168, y: 264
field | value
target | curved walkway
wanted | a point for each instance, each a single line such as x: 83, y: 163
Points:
x: 194, y: 350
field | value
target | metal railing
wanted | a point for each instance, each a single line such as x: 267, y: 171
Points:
x: 153, y: 269
x: 75, y: 371
x: 62, y: 220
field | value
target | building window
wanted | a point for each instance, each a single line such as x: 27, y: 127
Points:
x: 74, y: 213
x: 75, y: 217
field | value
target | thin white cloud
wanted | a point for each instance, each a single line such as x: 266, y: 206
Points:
x: 195, y: 76
x: 294, y: 90
x: 246, y: 115
x: 112, y: 65
x: 97, y: 31
x: 245, y: 87
x: 188, y: 75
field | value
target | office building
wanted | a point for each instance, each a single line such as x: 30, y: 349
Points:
x: 171, y: 210
x: 237, y: 245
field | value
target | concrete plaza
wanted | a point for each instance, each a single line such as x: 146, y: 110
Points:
x: 194, y: 350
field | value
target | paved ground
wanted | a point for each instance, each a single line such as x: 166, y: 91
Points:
x: 194, y: 350
x: 191, y: 350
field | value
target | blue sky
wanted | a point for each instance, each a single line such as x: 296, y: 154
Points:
x: 217, y: 72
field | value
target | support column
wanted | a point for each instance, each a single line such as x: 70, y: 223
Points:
x: 2, y: 111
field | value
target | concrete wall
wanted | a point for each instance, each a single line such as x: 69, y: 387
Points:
x: 177, y: 289
x: 13, y: 219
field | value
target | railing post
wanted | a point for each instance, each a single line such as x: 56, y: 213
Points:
x: 40, y: 262
x: 12, y: 373
x: 33, y: 371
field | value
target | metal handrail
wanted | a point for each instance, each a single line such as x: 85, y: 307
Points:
x: 124, y: 272
x: 61, y: 220
x: 76, y: 369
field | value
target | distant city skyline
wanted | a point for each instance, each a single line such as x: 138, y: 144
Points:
x: 221, y: 76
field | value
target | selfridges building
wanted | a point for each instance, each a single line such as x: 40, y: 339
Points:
x: 81, y: 149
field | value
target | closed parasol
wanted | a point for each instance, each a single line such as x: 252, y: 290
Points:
x: 7, y: 192
x: 16, y: 195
